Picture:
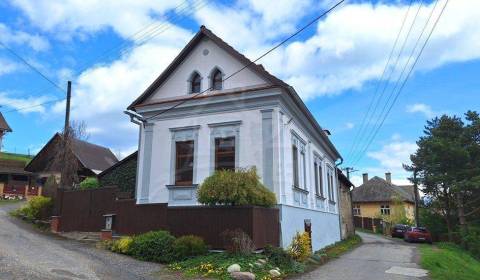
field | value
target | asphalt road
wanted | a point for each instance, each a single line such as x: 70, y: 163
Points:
x: 377, y: 258
x: 25, y: 253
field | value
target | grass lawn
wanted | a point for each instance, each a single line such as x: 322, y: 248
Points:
x: 447, y: 261
x: 18, y: 157
x: 8, y: 201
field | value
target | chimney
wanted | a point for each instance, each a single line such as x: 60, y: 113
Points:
x: 365, y: 177
x: 388, y: 177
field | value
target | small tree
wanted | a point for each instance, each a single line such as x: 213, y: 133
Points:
x: 89, y: 183
x: 65, y: 158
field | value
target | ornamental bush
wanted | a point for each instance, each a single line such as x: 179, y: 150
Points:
x: 89, y: 183
x: 189, y: 246
x: 300, y: 249
x: 37, y: 208
x: 156, y: 246
x: 240, y: 187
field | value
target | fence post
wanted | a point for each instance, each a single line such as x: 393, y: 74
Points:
x: 363, y: 227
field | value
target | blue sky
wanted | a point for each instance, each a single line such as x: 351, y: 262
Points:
x: 335, y: 65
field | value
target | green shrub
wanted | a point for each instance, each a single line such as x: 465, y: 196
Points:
x: 240, y: 187
x: 122, y: 245
x: 38, y: 207
x: 156, y: 246
x: 89, y: 183
x: 189, y: 246
x: 278, y: 256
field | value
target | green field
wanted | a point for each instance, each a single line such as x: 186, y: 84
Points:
x: 18, y: 157
x: 447, y: 261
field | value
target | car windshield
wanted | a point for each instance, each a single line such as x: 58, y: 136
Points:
x: 420, y: 230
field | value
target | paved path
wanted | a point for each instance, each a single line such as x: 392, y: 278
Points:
x: 377, y: 258
x: 26, y: 253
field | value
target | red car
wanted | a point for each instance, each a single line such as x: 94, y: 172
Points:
x: 417, y: 234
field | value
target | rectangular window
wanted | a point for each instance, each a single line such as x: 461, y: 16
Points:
x: 331, y: 195
x: 317, y: 165
x: 385, y: 209
x: 295, y: 166
x: 184, y: 163
x: 356, y: 210
x: 299, y: 163
x: 225, y: 153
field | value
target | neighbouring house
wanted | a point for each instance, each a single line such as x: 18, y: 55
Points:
x: 15, y: 181
x: 193, y: 121
x: 345, y: 198
x: 378, y: 197
x: 92, y: 160
x: 122, y: 174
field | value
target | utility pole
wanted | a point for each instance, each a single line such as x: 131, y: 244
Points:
x: 349, y: 170
x: 67, y: 109
x: 415, y: 189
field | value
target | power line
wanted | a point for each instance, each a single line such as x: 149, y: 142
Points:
x: 353, y: 146
x: 150, y: 34
x: 386, y: 82
x: 254, y: 61
x: 31, y: 66
x: 408, y: 74
x: 156, y: 31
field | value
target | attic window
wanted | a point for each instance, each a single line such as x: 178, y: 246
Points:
x: 217, y: 80
x: 195, y: 83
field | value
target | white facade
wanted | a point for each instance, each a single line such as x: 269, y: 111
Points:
x: 265, y: 122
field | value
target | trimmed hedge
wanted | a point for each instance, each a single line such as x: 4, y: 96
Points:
x: 156, y: 246
x: 240, y: 187
x: 189, y: 246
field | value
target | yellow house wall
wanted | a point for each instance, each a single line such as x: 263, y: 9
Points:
x: 372, y: 209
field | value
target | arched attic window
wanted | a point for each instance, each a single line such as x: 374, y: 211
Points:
x: 216, y: 79
x: 195, y: 83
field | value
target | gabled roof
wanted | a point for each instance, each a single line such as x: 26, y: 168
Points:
x: 256, y: 68
x: 343, y: 179
x: 4, y: 125
x: 133, y: 155
x: 379, y: 190
x: 91, y: 156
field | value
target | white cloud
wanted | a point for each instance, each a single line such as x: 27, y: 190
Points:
x: 102, y: 93
x: 8, y: 66
x: 421, y: 108
x: 27, y: 104
x: 64, y: 18
x: 349, y: 125
x: 36, y: 42
x: 391, y: 158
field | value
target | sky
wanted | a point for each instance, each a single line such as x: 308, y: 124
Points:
x: 112, y: 50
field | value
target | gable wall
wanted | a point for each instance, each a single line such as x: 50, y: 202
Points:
x: 177, y: 83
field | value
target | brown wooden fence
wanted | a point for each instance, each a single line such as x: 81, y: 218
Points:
x: 84, y: 210
x: 367, y: 222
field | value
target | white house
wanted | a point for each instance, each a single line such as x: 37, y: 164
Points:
x: 197, y: 119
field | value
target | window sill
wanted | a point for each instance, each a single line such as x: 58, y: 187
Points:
x: 181, y: 186
x: 332, y: 202
x: 320, y: 197
x: 295, y: 188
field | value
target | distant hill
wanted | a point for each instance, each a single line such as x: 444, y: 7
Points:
x: 17, y: 157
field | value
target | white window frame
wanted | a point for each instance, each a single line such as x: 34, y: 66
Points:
x: 356, y: 210
x: 179, y: 134
x: 224, y: 130
x: 385, y: 209
x: 330, y: 184
x: 301, y: 160
x: 318, y: 176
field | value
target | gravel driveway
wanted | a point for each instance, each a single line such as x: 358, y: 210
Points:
x: 377, y: 258
x: 26, y: 253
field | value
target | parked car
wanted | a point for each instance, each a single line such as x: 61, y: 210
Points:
x: 399, y: 230
x: 417, y: 234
